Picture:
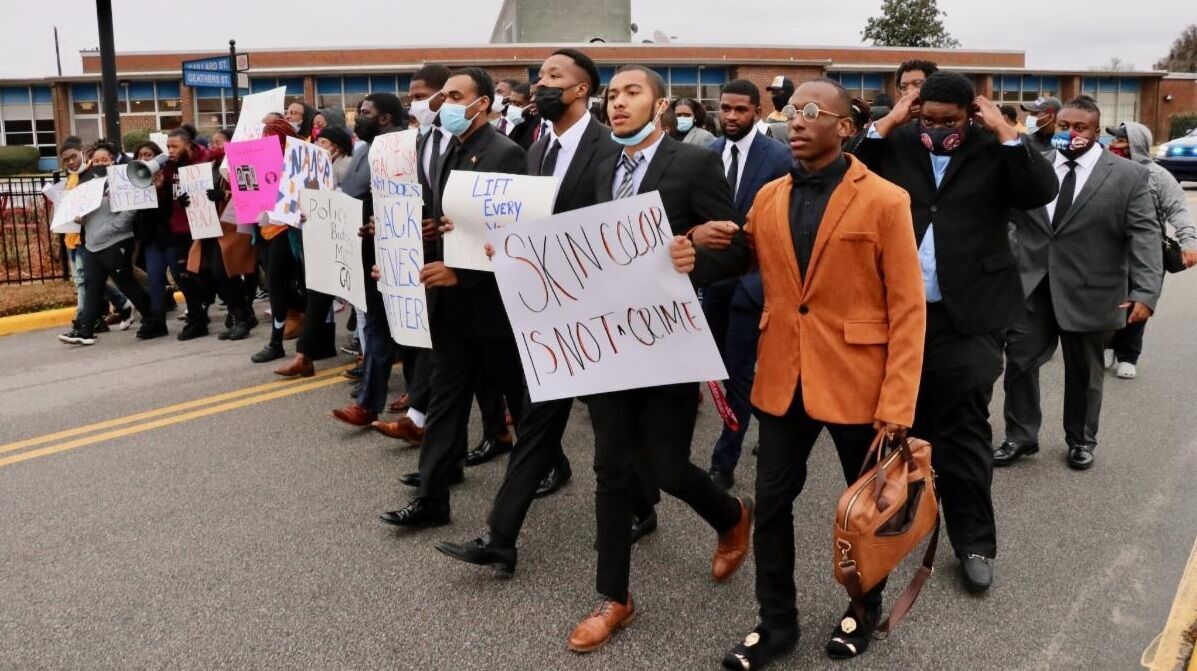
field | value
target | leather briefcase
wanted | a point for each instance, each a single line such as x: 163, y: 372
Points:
x: 882, y: 517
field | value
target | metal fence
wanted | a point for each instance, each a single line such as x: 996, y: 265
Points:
x: 29, y: 252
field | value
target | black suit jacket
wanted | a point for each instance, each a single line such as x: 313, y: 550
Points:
x: 690, y: 180
x: 522, y: 133
x: 577, y: 188
x: 978, y: 275
x: 474, y: 306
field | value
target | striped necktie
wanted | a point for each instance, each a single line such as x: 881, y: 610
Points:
x: 629, y: 164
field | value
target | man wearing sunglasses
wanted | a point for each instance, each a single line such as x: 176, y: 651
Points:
x: 840, y: 347
x: 965, y: 168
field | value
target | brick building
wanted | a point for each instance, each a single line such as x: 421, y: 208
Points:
x: 43, y: 111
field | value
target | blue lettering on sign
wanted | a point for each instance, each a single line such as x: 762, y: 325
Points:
x: 502, y: 208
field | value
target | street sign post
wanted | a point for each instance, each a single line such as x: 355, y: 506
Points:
x: 210, y: 72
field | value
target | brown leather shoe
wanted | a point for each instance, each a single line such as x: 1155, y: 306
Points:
x: 355, y: 415
x: 300, y: 365
x: 401, y: 429
x: 593, y: 632
x: 293, y: 325
x: 400, y: 404
x: 733, y: 544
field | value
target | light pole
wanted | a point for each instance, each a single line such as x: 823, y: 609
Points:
x: 112, y: 118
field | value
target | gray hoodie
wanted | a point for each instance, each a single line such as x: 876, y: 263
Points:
x: 1169, y: 197
x: 103, y: 228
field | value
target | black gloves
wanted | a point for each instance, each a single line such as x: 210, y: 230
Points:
x: 183, y: 200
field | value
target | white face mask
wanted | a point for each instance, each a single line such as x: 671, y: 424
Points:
x: 497, y: 105
x: 422, y: 112
x: 515, y: 114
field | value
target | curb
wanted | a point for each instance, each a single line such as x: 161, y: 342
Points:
x: 36, y: 321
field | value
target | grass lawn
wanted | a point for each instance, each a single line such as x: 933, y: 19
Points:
x: 18, y: 299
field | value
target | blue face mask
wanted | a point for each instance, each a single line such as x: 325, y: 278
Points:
x: 636, y: 139
x: 684, y: 124
x: 453, y: 118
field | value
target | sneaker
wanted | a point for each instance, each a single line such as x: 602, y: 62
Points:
x: 1126, y: 370
x: 240, y: 330
x: 72, y: 337
x: 354, y: 348
x: 126, y: 317
x: 270, y: 352
x: 101, y: 326
x: 1107, y: 357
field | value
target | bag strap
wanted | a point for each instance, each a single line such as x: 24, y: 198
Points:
x: 906, y: 600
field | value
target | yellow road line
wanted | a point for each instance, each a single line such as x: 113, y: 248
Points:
x: 187, y: 405
x: 167, y: 421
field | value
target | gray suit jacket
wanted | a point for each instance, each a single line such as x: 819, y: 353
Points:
x: 1106, y: 249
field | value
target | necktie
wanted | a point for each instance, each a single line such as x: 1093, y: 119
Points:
x: 733, y: 171
x: 435, y: 157
x: 549, y: 164
x: 629, y: 165
x: 503, y: 126
x: 804, y: 178
x: 1067, y: 193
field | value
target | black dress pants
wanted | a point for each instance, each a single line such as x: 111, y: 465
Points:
x: 785, y: 446
x: 653, y: 425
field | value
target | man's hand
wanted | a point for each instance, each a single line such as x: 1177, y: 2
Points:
x: 445, y: 225
x: 904, y: 110
x: 714, y: 234
x: 489, y: 249
x: 1139, y: 312
x: 1190, y: 257
x: 437, y: 274
x: 990, y: 116
x: 428, y: 229
x: 375, y: 273
x: 681, y: 251
x: 890, y: 428
x: 366, y: 230
x: 79, y: 220
x: 303, y: 218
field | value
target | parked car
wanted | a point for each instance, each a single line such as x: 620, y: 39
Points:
x: 1179, y: 156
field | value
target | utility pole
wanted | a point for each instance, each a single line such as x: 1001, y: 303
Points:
x: 57, y: 52
x: 233, y: 70
x: 112, y: 118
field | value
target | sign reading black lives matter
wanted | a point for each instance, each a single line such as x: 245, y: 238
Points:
x: 596, y: 305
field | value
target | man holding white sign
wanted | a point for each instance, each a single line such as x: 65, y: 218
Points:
x: 477, y: 202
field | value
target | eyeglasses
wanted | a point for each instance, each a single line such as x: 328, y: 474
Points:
x: 809, y: 111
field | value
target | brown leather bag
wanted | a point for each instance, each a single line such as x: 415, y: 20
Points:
x: 882, y: 517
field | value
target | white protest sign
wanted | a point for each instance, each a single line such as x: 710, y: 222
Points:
x: 305, y: 166
x: 596, y: 305
x: 195, y: 180
x: 79, y: 201
x: 124, y: 195
x: 332, y: 250
x: 393, y: 157
x: 477, y: 202
x: 399, y: 253
x: 54, y: 191
x: 254, y: 107
x: 159, y: 138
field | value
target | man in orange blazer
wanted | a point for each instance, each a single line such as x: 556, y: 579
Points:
x: 841, y: 341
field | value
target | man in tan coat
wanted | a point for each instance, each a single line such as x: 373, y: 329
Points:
x: 841, y: 342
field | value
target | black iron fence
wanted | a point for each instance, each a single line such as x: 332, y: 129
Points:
x: 29, y: 252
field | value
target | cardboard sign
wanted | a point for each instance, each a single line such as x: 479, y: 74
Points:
x: 55, y: 191
x: 332, y: 250
x: 305, y: 166
x: 478, y: 202
x: 195, y: 180
x: 255, y: 167
x: 399, y: 253
x: 596, y: 305
x: 393, y: 158
x: 78, y: 202
x: 123, y: 195
x: 159, y: 138
x: 254, y: 107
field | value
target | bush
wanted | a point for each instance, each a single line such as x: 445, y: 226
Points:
x: 134, y: 138
x: 18, y: 160
x: 1181, y: 124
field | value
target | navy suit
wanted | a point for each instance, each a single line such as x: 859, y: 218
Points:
x: 733, y: 306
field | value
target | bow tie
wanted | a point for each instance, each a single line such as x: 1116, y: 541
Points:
x: 804, y: 178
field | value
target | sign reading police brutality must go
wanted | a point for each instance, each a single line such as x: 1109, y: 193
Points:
x: 596, y: 305
x: 332, y: 250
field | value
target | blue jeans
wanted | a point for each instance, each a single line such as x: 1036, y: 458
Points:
x: 114, y: 296
x: 377, y: 351
x: 157, y: 260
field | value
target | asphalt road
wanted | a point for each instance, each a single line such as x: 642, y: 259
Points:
x: 246, y: 536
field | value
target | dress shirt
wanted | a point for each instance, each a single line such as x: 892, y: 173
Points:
x: 808, y: 203
x: 1084, y: 168
x: 744, y: 144
x: 638, y: 176
x: 569, y: 140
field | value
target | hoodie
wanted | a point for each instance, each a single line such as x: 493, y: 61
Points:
x: 103, y: 228
x: 1169, y: 198
x: 170, y: 180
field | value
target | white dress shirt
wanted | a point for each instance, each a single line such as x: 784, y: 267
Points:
x: 569, y: 140
x: 1084, y: 168
x: 427, y: 156
x: 638, y: 176
x: 744, y: 144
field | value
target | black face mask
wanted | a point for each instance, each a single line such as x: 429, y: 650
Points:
x: 98, y: 170
x: 780, y: 100
x: 366, y: 129
x: 550, y: 102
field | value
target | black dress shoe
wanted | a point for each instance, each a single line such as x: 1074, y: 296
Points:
x: 1008, y: 452
x: 413, y: 479
x: 481, y: 552
x: 488, y: 449
x: 553, y: 480
x: 722, y: 478
x: 1080, y: 458
x: 977, y: 572
x: 761, y: 646
x: 644, y: 527
x: 421, y: 512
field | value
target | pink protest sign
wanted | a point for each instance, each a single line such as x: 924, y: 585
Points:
x: 254, y: 168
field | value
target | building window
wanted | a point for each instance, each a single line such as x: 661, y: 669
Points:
x: 1118, y: 97
x: 864, y: 85
x: 1016, y: 89
x: 27, y: 118
x: 143, y: 105
x: 347, y: 93
x: 214, y: 108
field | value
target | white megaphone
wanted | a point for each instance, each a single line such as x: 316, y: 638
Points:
x: 141, y: 173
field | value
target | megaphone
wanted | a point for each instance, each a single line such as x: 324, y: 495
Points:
x: 141, y: 173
